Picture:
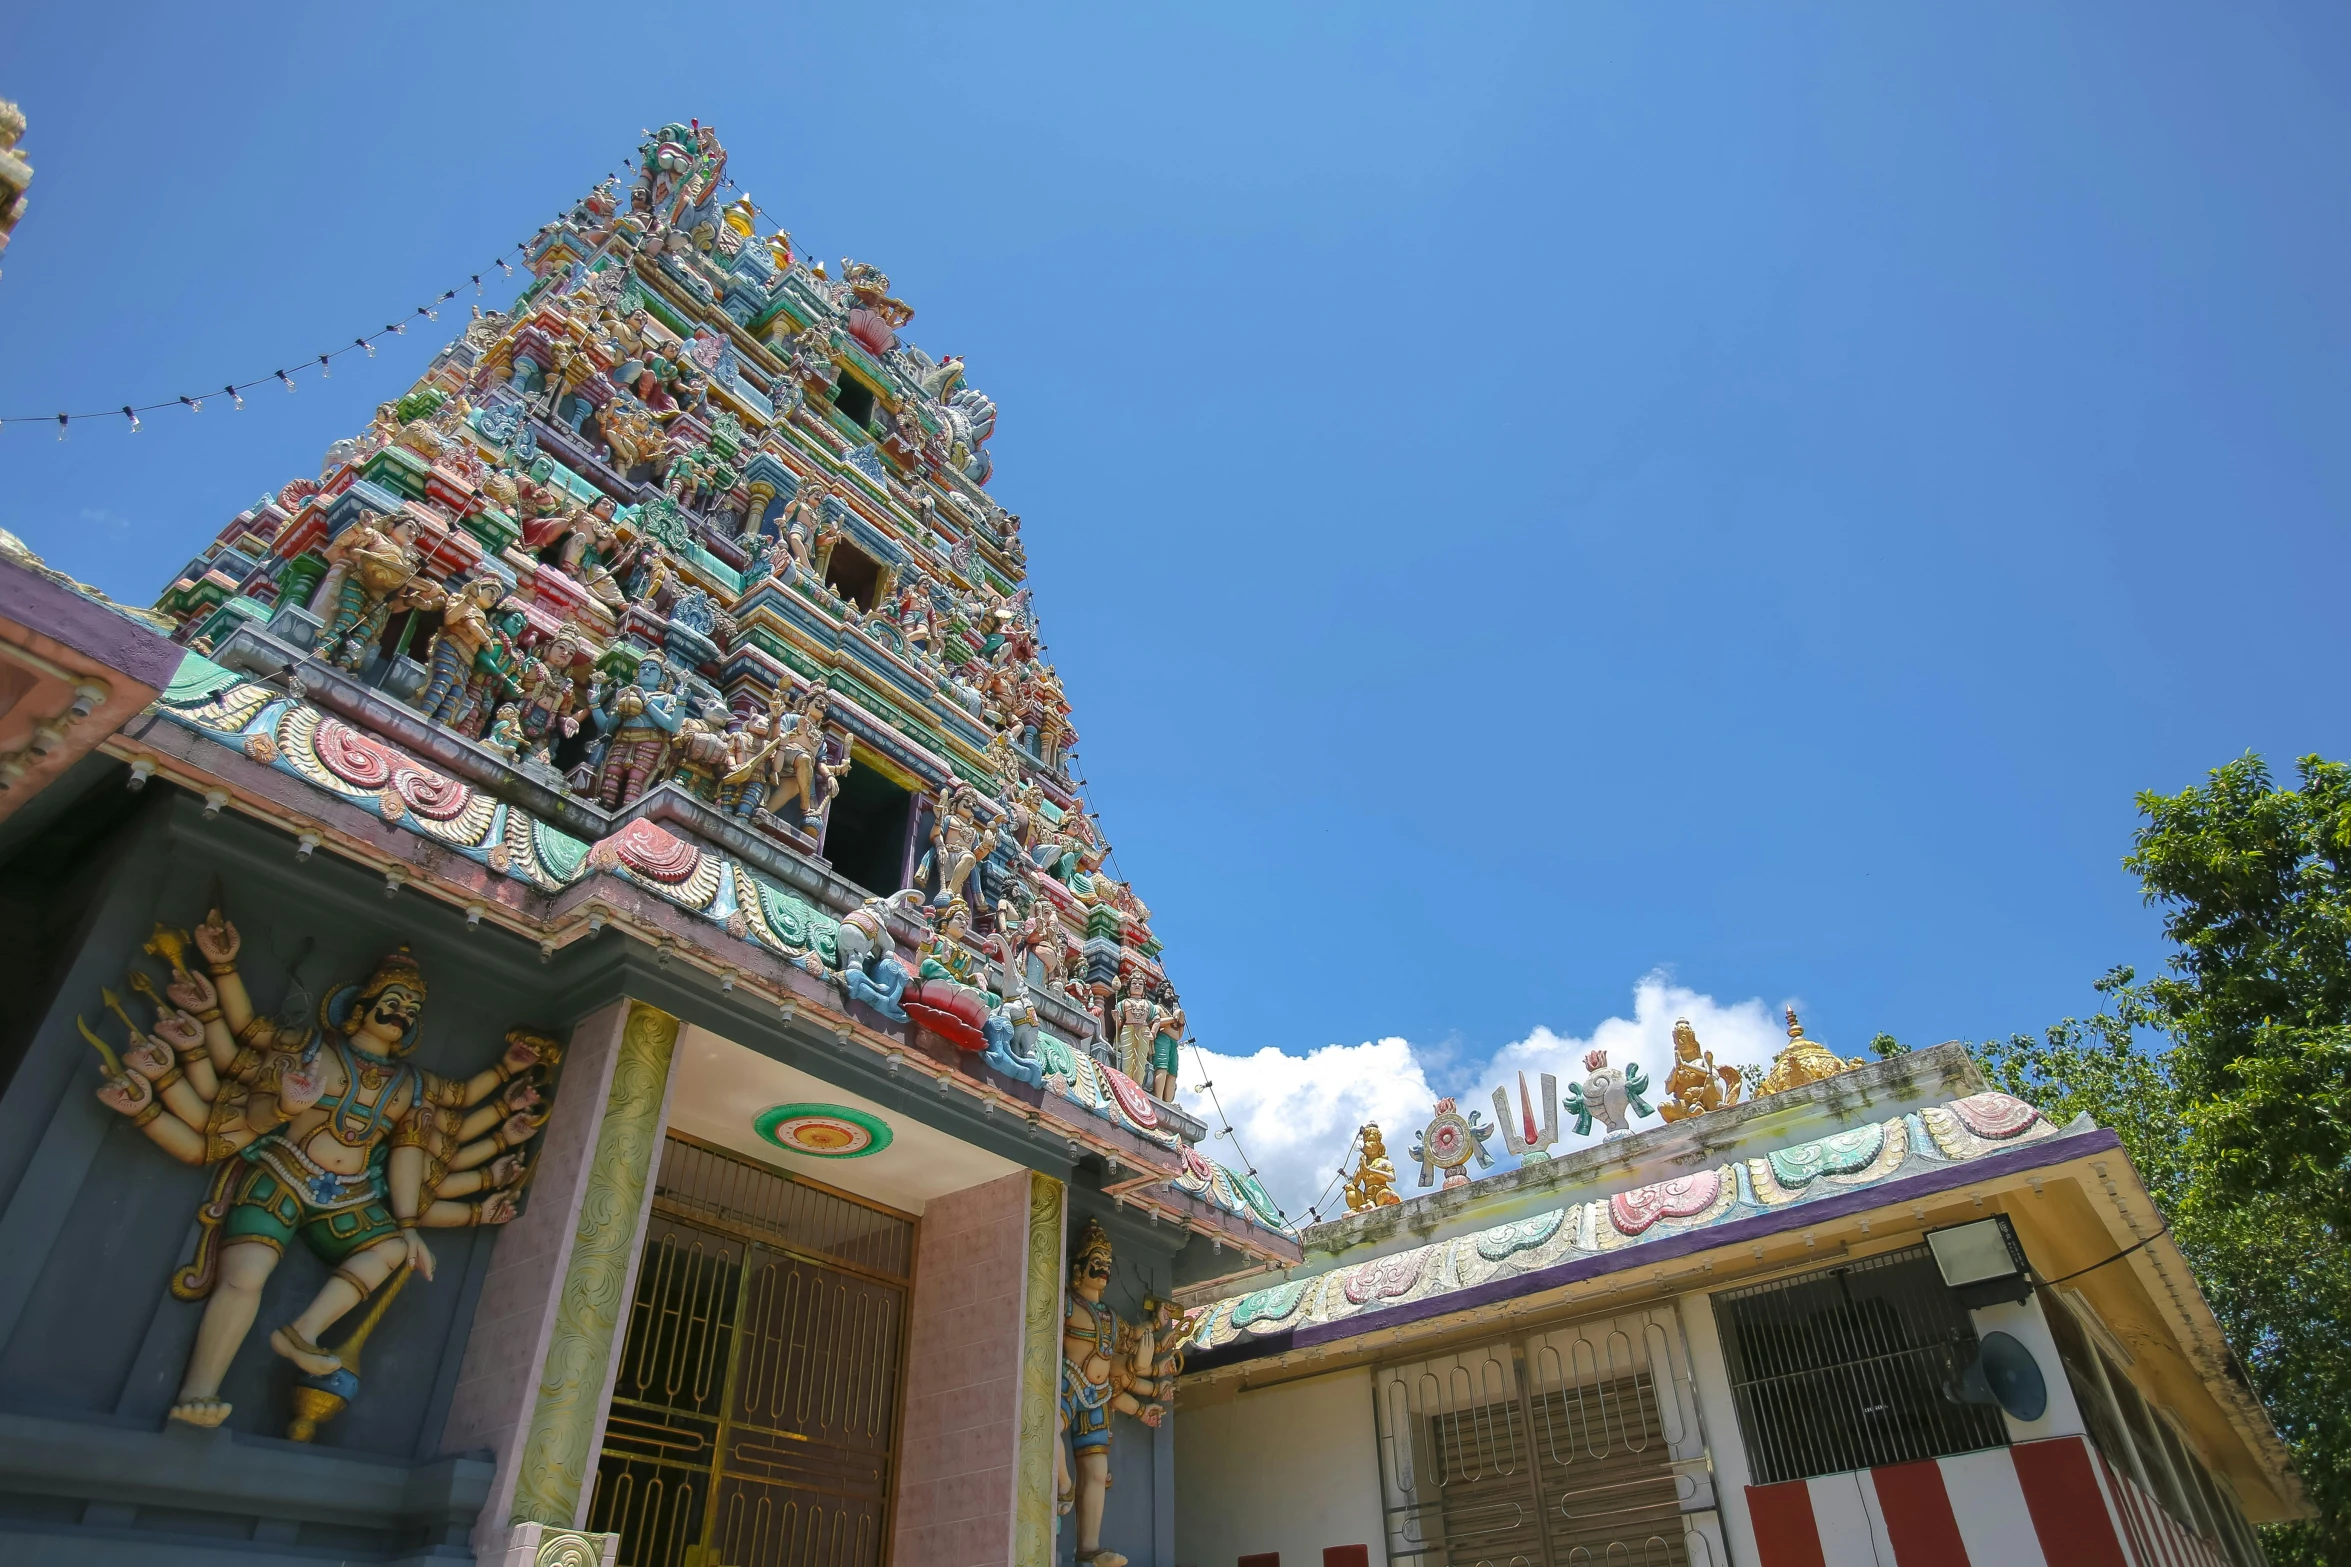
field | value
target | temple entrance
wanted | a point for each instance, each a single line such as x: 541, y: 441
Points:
x: 754, y: 1419
x: 1576, y: 1444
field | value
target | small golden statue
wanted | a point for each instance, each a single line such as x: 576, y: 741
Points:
x: 1696, y: 1085
x: 1803, y: 1061
x: 318, y: 1131
x: 1373, y: 1185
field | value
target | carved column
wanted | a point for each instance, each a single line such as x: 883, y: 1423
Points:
x: 539, y: 1362
x: 1040, y: 1377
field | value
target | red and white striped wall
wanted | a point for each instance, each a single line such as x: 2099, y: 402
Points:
x: 2052, y: 1503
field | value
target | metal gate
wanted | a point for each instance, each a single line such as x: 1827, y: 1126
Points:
x: 754, y: 1417
x: 1567, y: 1446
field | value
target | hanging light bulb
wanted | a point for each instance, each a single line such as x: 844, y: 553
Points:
x: 477, y: 282
x: 195, y: 405
x: 61, y: 418
x: 503, y: 267
x: 281, y: 375
x: 397, y: 329
x: 326, y: 372
x: 361, y: 342
x: 127, y: 413
x: 428, y: 312
x: 239, y: 396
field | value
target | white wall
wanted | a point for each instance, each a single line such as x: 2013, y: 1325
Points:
x: 1720, y: 1416
x: 1291, y: 1468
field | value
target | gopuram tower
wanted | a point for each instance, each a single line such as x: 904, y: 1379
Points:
x: 568, y: 1006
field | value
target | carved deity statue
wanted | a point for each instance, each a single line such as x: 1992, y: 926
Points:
x: 1803, y: 1061
x: 1131, y: 1020
x: 321, y: 1130
x: 1102, y: 1370
x: 796, y: 768
x: 641, y: 718
x: 1373, y: 1184
x: 1696, y: 1085
x: 1167, y: 1040
x: 959, y: 841
x: 465, y: 638
x: 368, y: 563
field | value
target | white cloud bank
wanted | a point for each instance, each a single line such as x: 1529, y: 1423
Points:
x: 1295, y: 1115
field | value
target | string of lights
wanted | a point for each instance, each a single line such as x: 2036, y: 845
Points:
x: 1199, y: 1057
x: 324, y: 363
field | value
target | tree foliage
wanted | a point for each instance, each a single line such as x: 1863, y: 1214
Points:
x: 2228, y: 1079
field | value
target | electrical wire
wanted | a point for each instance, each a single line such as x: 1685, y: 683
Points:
x: 2117, y: 1257
x: 235, y: 390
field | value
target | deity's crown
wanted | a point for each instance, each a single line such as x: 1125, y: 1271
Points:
x: 398, y: 968
x: 1093, y: 1246
x: 1595, y: 1060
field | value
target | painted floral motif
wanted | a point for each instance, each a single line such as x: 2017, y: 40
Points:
x: 352, y: 756
x: 1385, y: 1278
x: 650, y: 851
x: 1994, y: 1115
x: 429, y: 794
x: 1269, y: 1305
x: 1131, y: 1099
x: 1505, y: 1240
x: 1684, y: 1197
x: 1849, y: 1150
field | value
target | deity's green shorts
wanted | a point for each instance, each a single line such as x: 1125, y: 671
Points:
x: 1163, y: 1054
x: 267, y: 1209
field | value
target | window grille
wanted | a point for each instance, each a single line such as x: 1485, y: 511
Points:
x: 1844, y: 1369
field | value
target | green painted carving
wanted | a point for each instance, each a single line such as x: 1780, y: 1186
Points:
x: 559, y: 1449
x: 198, y: 679
x: 1268, y: 1305
x: 799, y: 924
x: 1040, y: 1378
x: 1506, y: 1240
x: 1057, y: 1058
x: 1828, y: 1155
x: 561, y: 853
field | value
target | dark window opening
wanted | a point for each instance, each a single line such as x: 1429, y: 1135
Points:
x: 1844, y: 1369
x: 410, y: 632
x: 854, y: 398
x: 866, y: 835
x: 853, y: 574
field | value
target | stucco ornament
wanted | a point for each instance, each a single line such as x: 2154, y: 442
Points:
x: 1803, y: 1061
x: 1373, y: 1185
x: 1611, y: 1095
x: 1696, y: 1085
x: 318, y: 1128
x: 1106, y: 1366
x: 1450, y: 1141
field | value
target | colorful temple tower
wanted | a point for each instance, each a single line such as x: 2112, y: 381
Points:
x: 560, y: 1004
x: 617, y: 810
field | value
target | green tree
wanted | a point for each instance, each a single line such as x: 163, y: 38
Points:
x: 2255, y: 884
x: 2228, y: 1079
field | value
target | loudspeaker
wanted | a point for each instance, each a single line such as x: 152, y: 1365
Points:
x: 2003, y: 1372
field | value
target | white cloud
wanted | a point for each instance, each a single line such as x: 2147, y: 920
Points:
x: 1295, y: 1115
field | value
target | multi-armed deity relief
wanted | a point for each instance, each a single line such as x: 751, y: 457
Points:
x: 318, y: 1129
x: 1107, y: 1367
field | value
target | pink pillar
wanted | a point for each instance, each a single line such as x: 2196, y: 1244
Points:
x: 960, y: 1443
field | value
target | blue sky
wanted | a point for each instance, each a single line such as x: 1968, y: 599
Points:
x: 1521, y: 503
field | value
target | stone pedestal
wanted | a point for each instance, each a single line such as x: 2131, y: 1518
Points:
x: 536, y: 1545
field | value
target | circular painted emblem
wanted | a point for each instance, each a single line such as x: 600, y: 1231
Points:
x: 1449, y: 1141
x: 823, y: 1131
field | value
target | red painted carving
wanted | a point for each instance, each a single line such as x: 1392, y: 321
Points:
x: 1993, y: 1115
x: 353, y: 757
x: 1636, y: 1210
x: 650, y: 851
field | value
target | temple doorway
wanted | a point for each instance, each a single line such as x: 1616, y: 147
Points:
x: 754, y: 1418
